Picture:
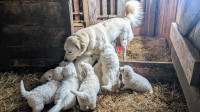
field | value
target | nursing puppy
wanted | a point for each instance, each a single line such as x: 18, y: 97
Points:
x: 90, y: 40
x: 54, y: 74
x: 41, y: 95
x: 134, y: 81
x: 64, y: 99
x: 89, y: 88
x: 86, y: 59
x: 110, y: 68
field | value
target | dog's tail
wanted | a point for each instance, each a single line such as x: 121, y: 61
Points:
x: 57, y: 107
x: 23, y: 90
x: 79, y: 94
x: 134, y: 12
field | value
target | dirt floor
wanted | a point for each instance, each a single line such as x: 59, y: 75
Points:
x: 165, y: 97
x: 147, y: 49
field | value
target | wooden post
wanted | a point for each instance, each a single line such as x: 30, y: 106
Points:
x: 112, y: 7
x: 85, y: 13
x: 70, y: 15
x: 98, y: 7
x: 104, y: 9
x: 92, y: 12
x: 121, y: 8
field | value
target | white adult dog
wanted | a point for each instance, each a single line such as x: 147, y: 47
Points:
x: 64, y: 99
x: 110, y: 68
x: 134, y: 81
x: 89, y: 88
x: 41, y: 95
x: 90, y: 40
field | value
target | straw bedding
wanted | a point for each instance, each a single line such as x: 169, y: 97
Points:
x: 165, y: 97
x: 147, y: 49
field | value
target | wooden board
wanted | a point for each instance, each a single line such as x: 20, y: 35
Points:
x: 86, y: 13
x: 76, y: 9
x: 98, y: 7
x: 195, y: 36
x: 188, y: 56
x: 121, y: 8
x: 189, y: 17
x: 191, y: 93
x: 161, y: 71
x: 112, y: 7
x: 92, y: 12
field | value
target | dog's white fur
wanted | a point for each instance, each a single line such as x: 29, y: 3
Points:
x: 110, y: 68
x: 64, y: 99
x: 90, y: 40
x: 98, y: 71
x: 134, y: 81
x: 86, y: 59
x: 40, y: 95
x: 89, y: 88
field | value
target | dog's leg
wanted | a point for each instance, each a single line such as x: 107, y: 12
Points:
x: 123, y: 42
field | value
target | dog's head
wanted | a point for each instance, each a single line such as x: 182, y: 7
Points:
x: 73, y: 47
x: 47, y: 76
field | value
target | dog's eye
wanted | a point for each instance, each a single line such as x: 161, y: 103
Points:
x: 69, y: 52
x: 49, y: 76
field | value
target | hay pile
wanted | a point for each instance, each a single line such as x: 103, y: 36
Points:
x: 147, y: 49
x: 165, y: 98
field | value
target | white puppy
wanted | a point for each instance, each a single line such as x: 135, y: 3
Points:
x: 98, y: 70
x: 110, y: 68
x: 41, y: 95
x: 134, y: 81
x: 86, y: 59
x: 64, y: 99
x: 89, y: 88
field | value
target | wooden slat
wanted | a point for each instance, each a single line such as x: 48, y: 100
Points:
x: 85, y: 12
x: 98, y: 7
x: 161, y: 71
x: 121, y: 8
x: 78, y: 13
x: 195, y: 36
x: 151, y: 18
x: 191, y: 93
x: 70, y: 17
x: 107, y: 16
x: 112, y: 7
x: 104, y: 8
x: 92, y: 12
x: 78, y: 24
x: 76, y: 9
x: 190, y: 17
x: 188, y: 56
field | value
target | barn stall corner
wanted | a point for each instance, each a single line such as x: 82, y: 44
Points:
x: 165, y: 50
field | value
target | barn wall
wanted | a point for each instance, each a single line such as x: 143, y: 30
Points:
x: 33, y: 32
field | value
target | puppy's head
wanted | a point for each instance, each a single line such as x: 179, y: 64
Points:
x: 63, y: 63
x: 69, y: 70
x: 86, y: 68
x: 125, y: 71
x: 73, y: 47
x: 47, y: 76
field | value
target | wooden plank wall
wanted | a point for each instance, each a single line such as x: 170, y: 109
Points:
x: 33, y: 32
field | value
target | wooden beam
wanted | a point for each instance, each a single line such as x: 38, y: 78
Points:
x: 121, y: 8
x: 191, y: 93
x: 188, y: 56
x: 76, y: 9
x: 189, y: 17
x: 161, y: 71
x: 70, y: 15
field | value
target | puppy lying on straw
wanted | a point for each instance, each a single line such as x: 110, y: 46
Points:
x: 110, y: 68
x: 134, y: 81
x: 89, y: 88
x: 41, y: 95
x: 64, y: 99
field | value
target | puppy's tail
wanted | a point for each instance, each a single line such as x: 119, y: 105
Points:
x: 79, y: 94
x: 151, y: 90
x: 23, y: 90
x: 134, y: 12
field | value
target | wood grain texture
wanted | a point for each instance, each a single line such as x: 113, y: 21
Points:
x: 160, y: 71
x: 112, y: 7
x: 121, y: 8
x: 76, y: 9
x: 189, y: 17
x: 191, y: 93
x: 86, y: 12
x: 188, y: 56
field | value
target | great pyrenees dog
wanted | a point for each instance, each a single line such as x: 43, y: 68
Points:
x: 90, y: 41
